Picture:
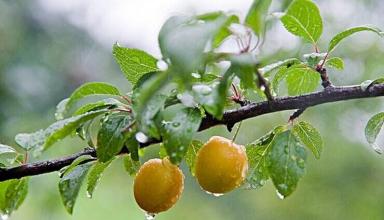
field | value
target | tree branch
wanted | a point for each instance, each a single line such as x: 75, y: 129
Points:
x: 330, y: 94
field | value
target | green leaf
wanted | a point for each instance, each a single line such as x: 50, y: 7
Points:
x: 271, y: 67
x: 106, y: 103
x: 8, y: 155
x: 213, y: 97
x: 244, y: 67
x: 309, y: 136
x: 335, y: 62
x: 341, y: 36
x: 372, y: 130
x: 133, y: 147
x: 111, y: 136
x: 224, y: 31
x: 43, y: 139
x: 131, y: 166
x: 29, y: 141
x: 77, y: 161
x: 286, y: 163
x: 279, y: 76
x: 87, y: 89
x: 177, y: 133
x: 94, y: 176
x: 303, y: 19
x: 313, y: 59
x: 255, y: 18
x: 190, y: 157
x: 12, y: 194
x: 147, y: 119
x: 301, y: 79
x: 162, y: 151
x: 184, y: 39
x: 257, y: 153
x: 70, y: 184
x: 134, y: 63
x: 61, y: 109
x: 142, y: 95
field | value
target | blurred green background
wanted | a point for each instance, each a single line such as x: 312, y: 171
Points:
x: 48, y: 48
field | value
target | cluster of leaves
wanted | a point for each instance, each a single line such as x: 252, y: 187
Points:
x: 168, y: 104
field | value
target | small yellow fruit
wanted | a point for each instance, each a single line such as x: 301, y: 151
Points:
x: 158, y: 185
x: 221, y: 165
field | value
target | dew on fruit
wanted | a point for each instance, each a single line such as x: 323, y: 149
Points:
x: 141, y: 137
x: 149, y: 216
x: 214, y: 194
x: 281, y: 196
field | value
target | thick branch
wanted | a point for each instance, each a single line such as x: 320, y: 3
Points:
x: 330, y: 94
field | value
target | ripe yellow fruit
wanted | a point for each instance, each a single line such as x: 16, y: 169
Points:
x: 221, y: 165
x: 158, y: 185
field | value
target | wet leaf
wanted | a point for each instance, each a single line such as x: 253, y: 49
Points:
x: 335, y: 62
x: 85, y: 90
x: 310, y: 137
x: 12, y: 194
x: 287, y: 162
x: 178, y: 132
x: 255, y: 18
x: 94, y: 176
x: 131, y: 166
x: 190, y: 157
x: 111, y: 136
x: 341, y: 36
x: 303, y: 19
x: 69, y: 185
x: 134, y: 63
x: 372, y: 130
x: 257, y: 153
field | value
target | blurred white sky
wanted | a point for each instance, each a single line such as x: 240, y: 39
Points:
x: 136, y: 23
x: 131, y: 21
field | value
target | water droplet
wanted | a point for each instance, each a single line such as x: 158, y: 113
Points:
x: 162, y: 65
x: 301, y: 163
x: 141, y: 137
x: 196, y: 75
x: 202, y: 89
x: 89, y: 195
x: 280, y: 195
x: 173, y: 154
x: 286, y: 149
x: 215, y: 194
x: 262, y: 88
x: 176, y: 124
x: 378, y: 149
x: 149, y: 216
x: 187, y: 99
x: 181, y: 148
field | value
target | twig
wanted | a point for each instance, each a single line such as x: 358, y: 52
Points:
x: 332, y: 94
x: 264, y: 85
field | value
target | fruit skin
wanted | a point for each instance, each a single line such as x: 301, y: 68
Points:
x: 221, y: 165
x: 158, y: 185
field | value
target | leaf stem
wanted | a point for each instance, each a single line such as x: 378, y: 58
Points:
x: 237, y: 131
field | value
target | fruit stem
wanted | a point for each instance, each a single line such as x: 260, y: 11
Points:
x: 237, y: 132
